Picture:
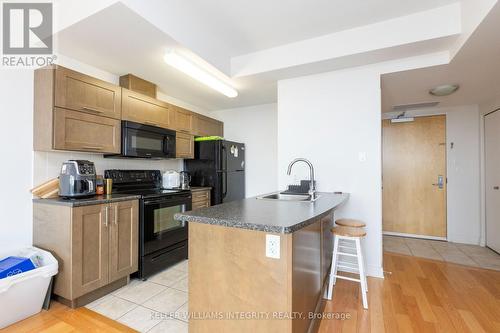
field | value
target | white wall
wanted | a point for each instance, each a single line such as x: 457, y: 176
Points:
x: 463, y: 171
x: 256, y: 126
x: 16, y: 106
x: 329, y: 119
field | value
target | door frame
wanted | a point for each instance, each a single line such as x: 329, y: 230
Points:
x: 389, y: 233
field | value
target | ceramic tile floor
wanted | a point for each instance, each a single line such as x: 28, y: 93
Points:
x: 465, y: 254
x: 156, y: 305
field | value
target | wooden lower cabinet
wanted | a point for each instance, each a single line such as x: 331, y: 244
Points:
x: 89, y: 247
x: 95, y: 245
x: 124, y: 241
x: 184, y: 145
x: 200, y: 197
x: 84, y: 132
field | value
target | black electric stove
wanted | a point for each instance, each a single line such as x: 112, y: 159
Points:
x: 163, y: 241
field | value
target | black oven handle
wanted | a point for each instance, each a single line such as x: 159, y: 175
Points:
x: 169, y: 200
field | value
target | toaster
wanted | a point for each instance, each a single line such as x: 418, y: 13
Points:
x: 77, y: 179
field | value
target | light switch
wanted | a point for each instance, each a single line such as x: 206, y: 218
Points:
x: 362, y: 156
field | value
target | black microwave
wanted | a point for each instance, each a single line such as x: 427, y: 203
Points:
x: 145, y: 141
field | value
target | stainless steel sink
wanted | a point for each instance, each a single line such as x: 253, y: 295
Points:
x: 288, y: 197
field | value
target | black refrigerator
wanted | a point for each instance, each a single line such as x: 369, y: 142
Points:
x: 219, y: 164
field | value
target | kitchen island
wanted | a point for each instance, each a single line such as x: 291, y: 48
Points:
x: 235, y: 285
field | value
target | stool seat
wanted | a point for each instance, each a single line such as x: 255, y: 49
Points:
x: 350, y: 223
x: 348, y: 231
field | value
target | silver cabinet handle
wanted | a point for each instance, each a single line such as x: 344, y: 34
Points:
x: 116, y: 215
x: 92, y: 147
x: 106, y: 217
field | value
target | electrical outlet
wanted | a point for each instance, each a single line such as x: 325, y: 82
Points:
x: 273, y: 246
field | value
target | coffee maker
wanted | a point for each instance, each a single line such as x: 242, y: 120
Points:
x: 77, y: 179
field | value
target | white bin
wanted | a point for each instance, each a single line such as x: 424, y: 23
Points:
x: 22, y: 295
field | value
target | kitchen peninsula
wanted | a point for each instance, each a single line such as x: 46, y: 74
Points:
x: 236, y: 284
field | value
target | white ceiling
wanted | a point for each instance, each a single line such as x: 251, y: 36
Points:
x: 130, y: 36
x: 119, y: 41
x: 476, y: 68
x: 249, y: 26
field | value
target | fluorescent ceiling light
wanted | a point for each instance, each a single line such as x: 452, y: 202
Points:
x: 199, y: 74
x: 444, y: 90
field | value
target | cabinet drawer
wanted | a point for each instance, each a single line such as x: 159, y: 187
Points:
x: 184, y: 145
x: 84, y: 132
x: 145, y: 110
x: 200, y: 204
x: 200, y: 195
x: 80, y: 92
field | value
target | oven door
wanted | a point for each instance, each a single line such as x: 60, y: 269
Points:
x: 161, y: 230
x: 147, y: 141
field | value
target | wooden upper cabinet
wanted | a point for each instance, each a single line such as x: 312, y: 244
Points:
x: 123, y: 239
x: 78, y: 131
x: 184, y: 145
x: 90, y: 248
x: 80, y: 92
x: 183, y: 120
x: 145, y: 110
x: 205, y: 126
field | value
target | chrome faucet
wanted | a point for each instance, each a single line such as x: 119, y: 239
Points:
x: 312, y: 186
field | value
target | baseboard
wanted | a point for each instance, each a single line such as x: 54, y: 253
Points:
x: 375, y: 271
x: 390, y: 233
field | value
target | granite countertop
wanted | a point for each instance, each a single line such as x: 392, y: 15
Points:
x: 266, y: 215
x: 95, y: 200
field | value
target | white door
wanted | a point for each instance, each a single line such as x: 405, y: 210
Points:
x: 492, y: 165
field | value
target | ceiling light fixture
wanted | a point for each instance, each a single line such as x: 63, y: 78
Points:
x: 444, y: 90
x: 196, y: 72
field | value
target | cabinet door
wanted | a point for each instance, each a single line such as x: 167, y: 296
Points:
x: 84, y: 93
x: 85, y: 132
x: 184, y: 145
x: 205, y: 126
x: 145, y: 110
x: 90, y: 248
x: 183, y: 120
x: 123, y: 245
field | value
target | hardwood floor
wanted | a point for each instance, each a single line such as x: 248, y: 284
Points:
x: 59, y: 319
x: 420, y: 295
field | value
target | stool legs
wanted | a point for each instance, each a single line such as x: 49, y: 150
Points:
x: 360, y: 266
x: 362, y: 275
x: 333, y: 269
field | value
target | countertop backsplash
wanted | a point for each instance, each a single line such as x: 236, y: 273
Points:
x: 47, y: 165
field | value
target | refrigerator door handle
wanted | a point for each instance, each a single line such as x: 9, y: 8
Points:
x: 224, y: 158
x: 224, y: 184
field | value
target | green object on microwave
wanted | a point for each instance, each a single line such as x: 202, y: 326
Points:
x: 208, y: 138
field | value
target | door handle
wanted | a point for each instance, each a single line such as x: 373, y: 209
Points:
x: 496, y: 188
x: 440, y: 183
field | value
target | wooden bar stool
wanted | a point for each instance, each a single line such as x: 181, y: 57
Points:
x: 350, y: 223
x: 352, y: 235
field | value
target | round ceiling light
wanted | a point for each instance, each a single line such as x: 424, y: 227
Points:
x: 444, y: 90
